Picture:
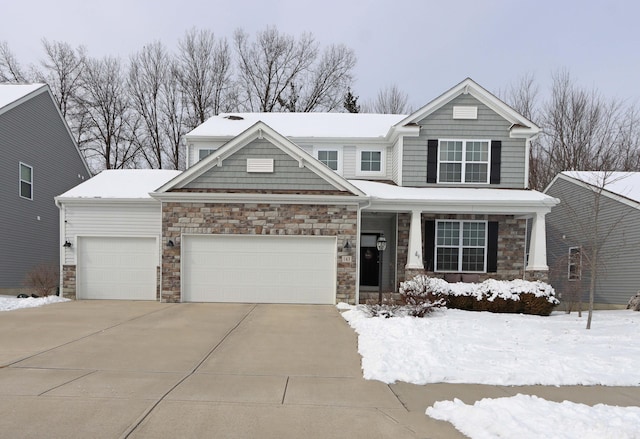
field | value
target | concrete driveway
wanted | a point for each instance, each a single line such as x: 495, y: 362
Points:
x: 110, y: 369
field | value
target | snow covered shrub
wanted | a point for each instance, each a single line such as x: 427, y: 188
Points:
x: 423, y: 294
x: 634, y: 303
x: 516, y: 296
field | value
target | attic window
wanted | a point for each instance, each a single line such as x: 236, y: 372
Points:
x: 260, y: 165
x: 465, y: 112
x: 233, y: 117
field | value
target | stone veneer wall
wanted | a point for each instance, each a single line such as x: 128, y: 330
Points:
x: 69, y: 281
x: 511, y: 247
x: 259, y: 219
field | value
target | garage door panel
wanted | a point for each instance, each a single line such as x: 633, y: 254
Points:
x: 263, y: 269
x: 117, y: 268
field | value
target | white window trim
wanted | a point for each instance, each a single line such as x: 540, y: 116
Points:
x: 460, y: 246
x: 20, y: 180
x: 317, y: 149
x: 383, y: 162
x: 579, y: 264
x: 464, y: 162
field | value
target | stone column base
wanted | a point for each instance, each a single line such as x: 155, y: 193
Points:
x: 537, y: 275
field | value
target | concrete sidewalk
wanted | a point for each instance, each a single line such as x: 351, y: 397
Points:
x: 109, y: 369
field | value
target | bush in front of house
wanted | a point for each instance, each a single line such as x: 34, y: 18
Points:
x: 515, y: 296
x: 423, y: 294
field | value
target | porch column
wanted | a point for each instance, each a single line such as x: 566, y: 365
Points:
x: 538, y: 246
x: 414, y: 257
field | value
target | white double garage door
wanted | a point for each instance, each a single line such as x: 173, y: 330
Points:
x: 214, y: 268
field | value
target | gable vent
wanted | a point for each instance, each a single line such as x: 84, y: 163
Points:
x: 259, y: 165
x: 466, y: 112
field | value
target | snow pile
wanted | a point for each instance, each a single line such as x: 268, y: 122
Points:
x: 9, y: 303
x: 525, y: 416
x: 457, y: 346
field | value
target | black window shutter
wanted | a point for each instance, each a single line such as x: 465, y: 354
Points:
x: 496, y: 152
x: 429, y: 244
x: 492, y: 247
x: 432, y: 160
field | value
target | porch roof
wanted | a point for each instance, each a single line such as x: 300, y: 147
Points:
x: 386, y: 196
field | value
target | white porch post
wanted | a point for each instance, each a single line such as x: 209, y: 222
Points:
x: 538, y: 246
x: 414, y: 258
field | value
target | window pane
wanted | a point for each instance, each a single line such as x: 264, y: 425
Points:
x: 477, y: 152
x: 473, y: 259
x: 473, y: 234
x: 202, y: 153
x: 475, y: 173
x: 370, y: 161
x: 450, y: 172
x: 329, y: 158
x: 25, y: 189
x: 447, y: 259
x: 451, y: 151
x: 448, y: 233
x: 25, y: 173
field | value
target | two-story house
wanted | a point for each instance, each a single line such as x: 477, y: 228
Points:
x: 288, y: 207
x: 39, y: 159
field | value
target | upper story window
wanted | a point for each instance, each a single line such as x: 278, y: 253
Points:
x: 26, y: 181
x: 463, y: 161
x: 574, y: 265
x: 202, y: 153
x: 332, y: 157
x: 370, y: 162
x: 461, y: 246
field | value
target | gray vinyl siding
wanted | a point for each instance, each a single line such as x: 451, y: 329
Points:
x: 441, y: 125
x: 35, y: 134
x: 287, y: 175
x: 109, y: 219
x: 570, y: 224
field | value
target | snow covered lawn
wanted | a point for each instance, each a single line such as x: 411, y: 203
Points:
x: 9, y: 303
x: 530, y: 417
x: 509, y: 349
x: 453, y: 346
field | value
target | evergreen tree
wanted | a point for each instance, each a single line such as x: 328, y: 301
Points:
x: 351, y: 102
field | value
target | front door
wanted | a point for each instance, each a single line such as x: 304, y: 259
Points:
x: 369, y: 260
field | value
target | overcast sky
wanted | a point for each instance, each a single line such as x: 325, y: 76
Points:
x: 423, y: 46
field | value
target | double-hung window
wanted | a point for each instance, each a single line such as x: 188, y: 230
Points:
x: 202, y: 153
x: 26, y: 181
x: 329, y: 158
x: 574, y: 266
x: 463, y: 161
x: 461, y: 246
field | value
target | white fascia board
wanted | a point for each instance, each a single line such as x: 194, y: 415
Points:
x: 86, y: 201
x: 456, y: 206
x: 215, y: 197
x: 524, y: 132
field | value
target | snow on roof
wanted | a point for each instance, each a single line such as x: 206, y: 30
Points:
x: 12, y: 92
x: 122, y: 184
x: 625, y: 184
x: 384, y: 191
x: 301, y: 124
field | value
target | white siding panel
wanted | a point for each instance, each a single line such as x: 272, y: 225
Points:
x: 111, y: 219
x: 259, y: 269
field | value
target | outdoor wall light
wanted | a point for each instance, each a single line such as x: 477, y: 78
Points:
x: 66, y: 244
x: 347, y: 246
x: 170, y: 243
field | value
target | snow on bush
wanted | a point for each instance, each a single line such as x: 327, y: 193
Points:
x: 515, y: 296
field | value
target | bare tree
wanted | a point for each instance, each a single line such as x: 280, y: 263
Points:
x: 324, y: 85
x: 269, y: 66
x: 10, y: 68
x: 390, y: 100
x: 107, y: 138
x: 204, y: 74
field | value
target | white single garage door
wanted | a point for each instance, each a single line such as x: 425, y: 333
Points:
x: 116, y: 268
x: 259, y: 269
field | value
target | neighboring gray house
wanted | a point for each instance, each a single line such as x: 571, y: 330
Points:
x: 38, y: 160
x: 287, y: 207
x: 572, y: 226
